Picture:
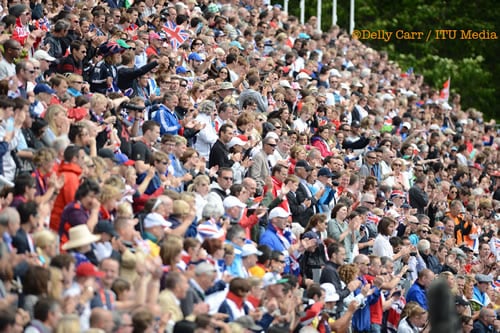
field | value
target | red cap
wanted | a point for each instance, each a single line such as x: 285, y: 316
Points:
x: 86, y: 269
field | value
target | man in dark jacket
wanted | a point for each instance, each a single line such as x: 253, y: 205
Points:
x: 127, y: 74
x: 219, y: 154
x: 418, y: 198
x: 22, y: 241
x: 302, y: 203
x: 336, y: 253
x: 484, y: 324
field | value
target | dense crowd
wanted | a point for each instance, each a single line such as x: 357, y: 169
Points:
x: 220, y: 167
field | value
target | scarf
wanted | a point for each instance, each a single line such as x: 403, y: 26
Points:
x: 239, y: 301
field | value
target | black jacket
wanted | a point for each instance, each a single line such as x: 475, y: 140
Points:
x: 330, y: 275
x: 20, y: 242
x: 219, y: 155
x: 299, y: 212
x: 127, y: 77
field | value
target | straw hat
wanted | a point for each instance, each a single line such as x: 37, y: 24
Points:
x: 80, y: 235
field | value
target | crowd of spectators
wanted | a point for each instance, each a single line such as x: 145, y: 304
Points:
x: 219, y: 167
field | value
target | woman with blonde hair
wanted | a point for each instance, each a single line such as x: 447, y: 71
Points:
x: 397, y: 177
x: 68, y: 323
x: 46, y: 245
x: 200, y: 188
x: 109, y: 197
x: 181, y: 218
x: 56, y: 117
x: 415, y: 318
x: 75, y: 85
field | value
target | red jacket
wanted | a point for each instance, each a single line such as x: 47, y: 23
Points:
x: 72, y: 173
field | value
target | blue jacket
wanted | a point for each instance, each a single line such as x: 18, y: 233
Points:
x: 361, y: 318
x: 236, y: 268
x: 417, y: 293
x: 169, y: 124
x: 271, y: 239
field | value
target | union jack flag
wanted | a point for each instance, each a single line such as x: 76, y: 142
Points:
x: 176, y: 34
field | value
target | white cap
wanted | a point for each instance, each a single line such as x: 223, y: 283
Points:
x: 235, y: 141
x: 154, y: 220
x: 387, y: 96
x: 334, y: 72
x: 278, y: 212
x: 249, y: 249
x: 344, y: 86
x: 330, y: 292
x: 434, y: 127
x: 43, y: 55
x: 303, y: 75
x: 285, y: 84
x: 407, y: 125
x: 232, y: 201
x: 270, y: 279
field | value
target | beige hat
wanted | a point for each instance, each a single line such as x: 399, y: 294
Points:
x: 80, y: 235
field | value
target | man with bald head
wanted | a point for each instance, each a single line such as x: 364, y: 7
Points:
x: 418, y: 291
x: 101, y: 319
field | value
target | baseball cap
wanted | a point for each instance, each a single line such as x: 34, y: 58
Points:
x: 105, y: 227
x: 195, y: 56
x: 248, y: 323
x: 43, y: 55
x: 270, y: 279
x: 43, y: 88
x: 86, y: 269
x: 311, y: 235
x: 107, y: 153
x: 303, y: 75
x: 123, y: 159
x: 154, y: 220
x: 325, y: 172
x: 407, y: 125
x: 249, y: 249
x: 204, y: 267
x: 237, y: 44
x: 154, y: 35
x: 180, y: 70
x: 232, y: 201
x: 278, y: 212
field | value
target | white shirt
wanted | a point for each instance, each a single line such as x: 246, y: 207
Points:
x: 382, y: 247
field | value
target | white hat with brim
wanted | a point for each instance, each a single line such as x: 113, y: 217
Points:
x: 80, y: 235
x: 154, y: 220
x: 249, y: 249
x: 278, y: 212
x: 232, y: 201
x: 330, y: 292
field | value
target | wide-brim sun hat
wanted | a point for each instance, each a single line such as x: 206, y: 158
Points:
x: 80, y: 235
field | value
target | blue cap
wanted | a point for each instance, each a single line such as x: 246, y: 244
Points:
x: 180, y: 70
x: 195, y: 56
x: 237, y: 44
x: 325, y: 172
x: 303, y: 35
x: 43, y: 88
x: 123, y: 159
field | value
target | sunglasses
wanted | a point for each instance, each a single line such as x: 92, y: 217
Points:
x: 271, y: 145
x: 228, y: 178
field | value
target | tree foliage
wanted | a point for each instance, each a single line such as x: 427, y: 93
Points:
x: 471, y: 64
